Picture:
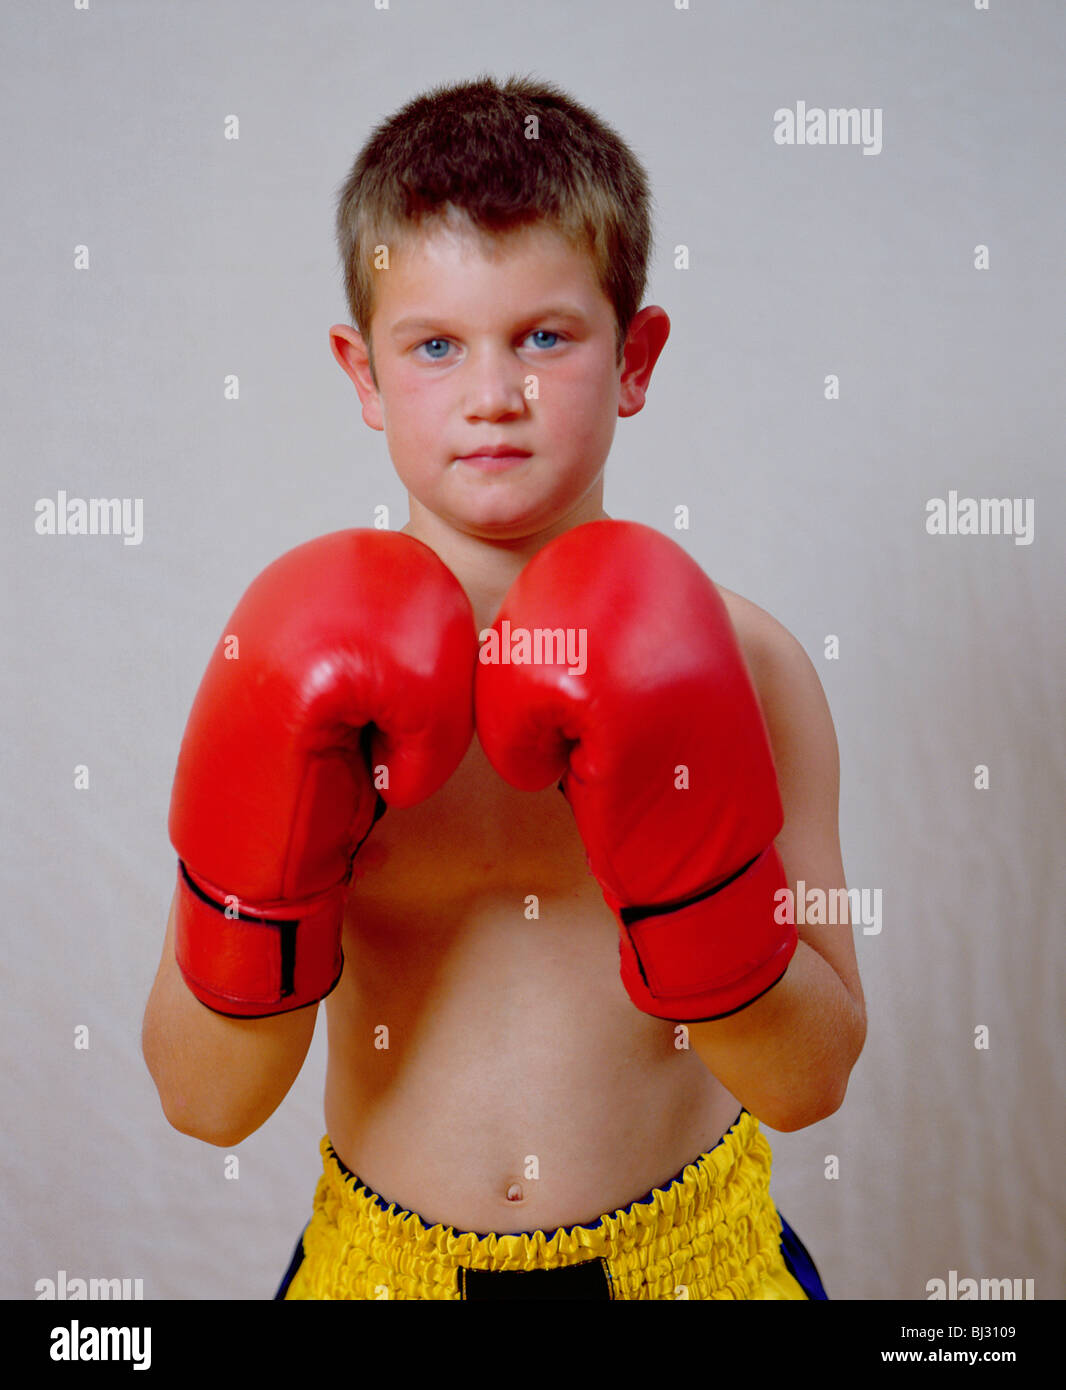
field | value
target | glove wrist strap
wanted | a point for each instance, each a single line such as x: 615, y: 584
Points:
x: 714, y: 954
x: 249, y: 961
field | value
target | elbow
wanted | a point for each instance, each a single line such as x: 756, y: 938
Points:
x: 787, y: 1114
x: 199, y: 1112
x: 819, y: 1085
x: 207, y: 1117
x: 220, y: 1132
x: 818, y: 1099
x: 201, y: 1120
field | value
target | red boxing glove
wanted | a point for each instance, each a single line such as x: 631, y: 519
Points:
x: 663, y: 754
x: 354, y: 651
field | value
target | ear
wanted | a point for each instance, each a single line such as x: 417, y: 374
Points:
x: 645, y: 340
x: 353, y: 355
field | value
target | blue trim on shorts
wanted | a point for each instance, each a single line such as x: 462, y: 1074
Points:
x: 294, y: 1264
x: 799, y: 1263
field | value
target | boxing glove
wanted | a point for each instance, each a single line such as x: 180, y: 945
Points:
x: 352, y: 653
x: 663, y: 756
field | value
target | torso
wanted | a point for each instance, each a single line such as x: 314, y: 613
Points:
x: 519, y: 1089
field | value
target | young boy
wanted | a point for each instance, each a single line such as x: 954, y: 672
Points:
x: 559, y: 1019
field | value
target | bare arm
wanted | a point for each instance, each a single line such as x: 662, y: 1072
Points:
x: 788, y: 1056
x: 218, y: 1078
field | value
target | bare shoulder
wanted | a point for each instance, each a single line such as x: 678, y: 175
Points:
x: 801, y: 732
x: 780, y: 667
x: 807, y: 759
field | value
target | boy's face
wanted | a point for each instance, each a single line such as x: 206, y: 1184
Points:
x: 494, y: 344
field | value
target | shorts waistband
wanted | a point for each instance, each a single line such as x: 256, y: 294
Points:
x: 712, y: 1225
x: 348, y: 1179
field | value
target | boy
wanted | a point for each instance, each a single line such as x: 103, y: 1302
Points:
x: 559, y: 1018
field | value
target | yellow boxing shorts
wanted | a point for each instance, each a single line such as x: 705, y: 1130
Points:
x: 712, y: 1232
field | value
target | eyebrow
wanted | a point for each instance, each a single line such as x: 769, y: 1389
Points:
x: 552, y: 311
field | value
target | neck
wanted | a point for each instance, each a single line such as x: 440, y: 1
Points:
x: 487, y: 566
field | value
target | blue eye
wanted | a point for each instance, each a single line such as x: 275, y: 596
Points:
x: 545, y: 333
x: 436, y: 342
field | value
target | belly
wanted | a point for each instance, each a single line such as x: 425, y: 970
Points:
x: 487, y: 1069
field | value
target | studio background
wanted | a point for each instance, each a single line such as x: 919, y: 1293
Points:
x: 211, y: 256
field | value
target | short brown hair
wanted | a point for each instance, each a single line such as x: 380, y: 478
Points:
x: 465, y: 148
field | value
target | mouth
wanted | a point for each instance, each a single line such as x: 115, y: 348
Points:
x: 496, y: 459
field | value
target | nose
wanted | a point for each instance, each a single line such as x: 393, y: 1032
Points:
x: 495, y: 386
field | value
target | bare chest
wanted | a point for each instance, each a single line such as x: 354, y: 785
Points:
x: 477, y: 834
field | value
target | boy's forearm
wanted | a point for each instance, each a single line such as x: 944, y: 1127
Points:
x: 218, y: 1078
x: 788, y: 1056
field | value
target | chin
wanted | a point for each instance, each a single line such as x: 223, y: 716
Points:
x: 500, y: 522
x: 502, y: 530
